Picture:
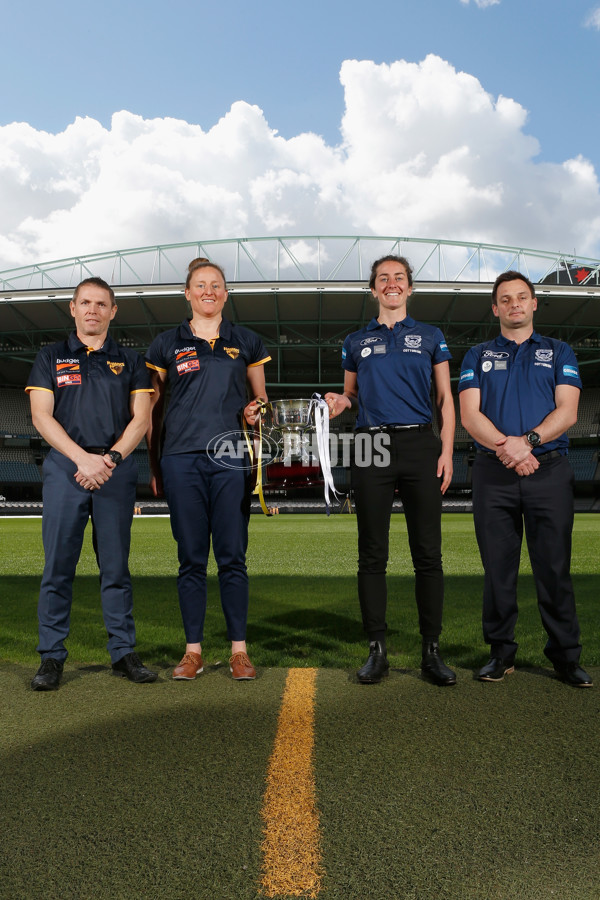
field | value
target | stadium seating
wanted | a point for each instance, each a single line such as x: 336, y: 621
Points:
x: 15, y: 413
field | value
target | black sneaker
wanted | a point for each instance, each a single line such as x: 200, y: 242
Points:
x: 47, y: 677
x: 130, y: 666
x: 375, y: 667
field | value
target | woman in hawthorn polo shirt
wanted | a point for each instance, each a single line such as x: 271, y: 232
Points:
x: 389, y: 368
x: 207, y: 362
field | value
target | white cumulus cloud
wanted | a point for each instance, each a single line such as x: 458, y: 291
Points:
x: 592, y: 20
x: 425, y: 152
x: 481, y: 3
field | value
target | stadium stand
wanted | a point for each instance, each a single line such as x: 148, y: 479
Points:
x: 17, y: 466
x: 15, y: 415
x: 584, y: 461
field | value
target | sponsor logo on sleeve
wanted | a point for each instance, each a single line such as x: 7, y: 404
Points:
x: 67, y: 372
x: 344, y: 353
x: 570, y: 372
x: 186, y: 360
x: 467, y: 375
x: 443, y: 345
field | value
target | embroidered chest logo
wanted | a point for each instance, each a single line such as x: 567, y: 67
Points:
x: 413, y: 341
x: 186, y: 361
x: 233, y: 352
x: 543, y: 357
x: 115, y: 367
x: 67, y: 372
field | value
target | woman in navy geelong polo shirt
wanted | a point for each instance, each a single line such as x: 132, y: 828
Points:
x: 208, y: 363
x: 390, y: 366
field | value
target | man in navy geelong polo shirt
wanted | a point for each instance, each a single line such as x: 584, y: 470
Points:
x: 519, y: 394
x: 90, y: 400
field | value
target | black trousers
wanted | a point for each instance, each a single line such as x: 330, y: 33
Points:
x: 502, y: 502
x: 412, y: 468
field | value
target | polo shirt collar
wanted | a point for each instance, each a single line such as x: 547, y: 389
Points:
x: 408, y: 322
x: 225, y: 329
x: 75, y: 345
x: 502, y: 341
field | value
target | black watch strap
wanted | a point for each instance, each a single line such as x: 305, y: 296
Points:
x: 533, y: 438
x: 115, y: 456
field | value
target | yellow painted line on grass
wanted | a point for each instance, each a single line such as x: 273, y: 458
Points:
x: 290, y: 849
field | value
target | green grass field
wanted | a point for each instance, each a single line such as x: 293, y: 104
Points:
x: 481, y: 792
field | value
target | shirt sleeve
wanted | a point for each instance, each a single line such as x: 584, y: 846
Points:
x: 440, y: 350
x: 155, y: 358
x: 258, y: 352
x: 40, y: 377
x: 140, y: 378
x: 469, y: 371
x: 566, y: 370
x: 347, y: 360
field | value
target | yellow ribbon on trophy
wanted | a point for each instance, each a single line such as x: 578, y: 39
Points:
x: 256, y: 457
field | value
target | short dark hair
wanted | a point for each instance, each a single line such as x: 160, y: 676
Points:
x: 97, y: 282
x: 511, y: 275
x: 390, y: 258
x: 202, y: 262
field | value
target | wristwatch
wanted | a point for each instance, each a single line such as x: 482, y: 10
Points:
x: 115, y: 456
x: 533, y: 438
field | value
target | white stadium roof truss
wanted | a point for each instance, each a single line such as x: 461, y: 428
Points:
x: 302, y: 294
x: 301, y: 258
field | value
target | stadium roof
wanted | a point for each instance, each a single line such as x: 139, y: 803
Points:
x: 302, y: 295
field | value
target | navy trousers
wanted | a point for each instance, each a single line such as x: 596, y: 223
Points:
x: 209, y: 500
x: 67, y: 508
x: 502, y: 503
x: 413, y: 470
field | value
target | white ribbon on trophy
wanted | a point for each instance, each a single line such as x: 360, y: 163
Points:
x: 320, y: 411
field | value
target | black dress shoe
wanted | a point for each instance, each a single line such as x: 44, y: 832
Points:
x: 131, y: 666
x: 572, y: 673
x: 496, y: 669
x: 47, y: 677
x: 375, y: 667
x: 434, y: 667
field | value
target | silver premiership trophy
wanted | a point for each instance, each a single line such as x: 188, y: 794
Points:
x: 294, y: 423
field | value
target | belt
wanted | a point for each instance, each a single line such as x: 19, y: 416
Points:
x: 373, y: 429
x: 100, y: 450
x: 541, y: 457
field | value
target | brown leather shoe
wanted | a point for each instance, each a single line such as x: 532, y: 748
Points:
x: 190, y: 666
x: 241, y: 668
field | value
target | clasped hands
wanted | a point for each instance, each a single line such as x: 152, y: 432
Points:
x: 514, y: 452
x: 94, y: 471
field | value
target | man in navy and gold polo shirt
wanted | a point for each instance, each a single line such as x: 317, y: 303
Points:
x: 519, y: 394
x: 90, y: 400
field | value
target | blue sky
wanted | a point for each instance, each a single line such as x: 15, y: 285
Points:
x: 193, y: 60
